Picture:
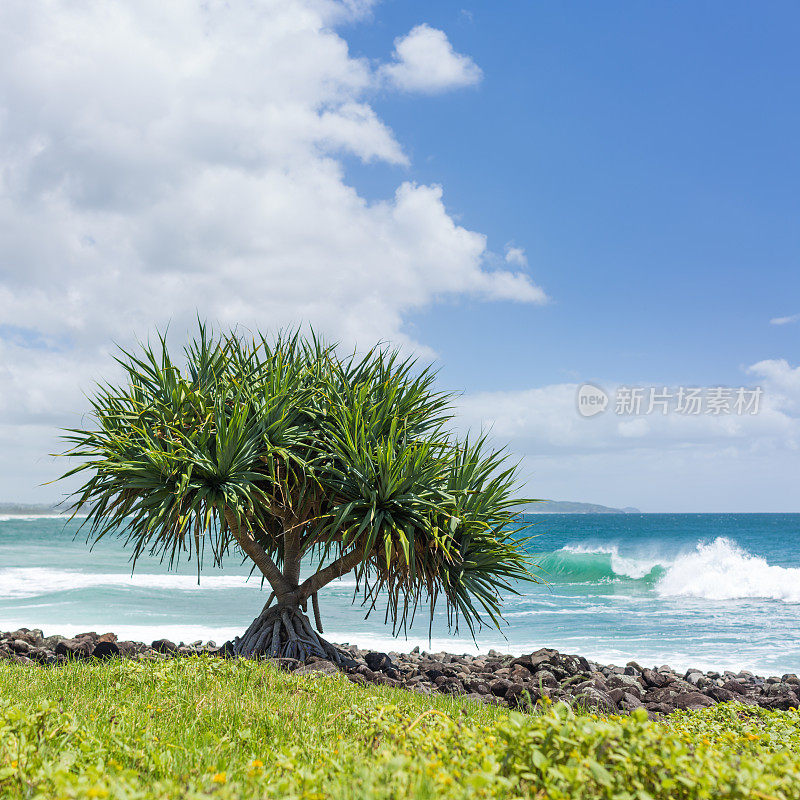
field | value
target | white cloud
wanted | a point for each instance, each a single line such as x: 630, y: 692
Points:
x: 516, y: 256
x: 159, y: 161
x: 784, y: 320
x: 656, y: 462
x: 424, y: 61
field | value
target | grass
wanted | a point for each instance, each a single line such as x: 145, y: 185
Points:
x: 204, y: 727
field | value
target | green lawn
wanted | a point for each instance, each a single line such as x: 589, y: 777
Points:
x: 203, y: 727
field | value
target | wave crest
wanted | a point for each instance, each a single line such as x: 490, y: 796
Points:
x: 590, y: 564
x: 722, y: 570
x: 717, y: 570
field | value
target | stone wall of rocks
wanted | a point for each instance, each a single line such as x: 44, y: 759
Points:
x: 494, y: 678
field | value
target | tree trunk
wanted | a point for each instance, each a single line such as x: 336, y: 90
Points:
x: 284, y: 631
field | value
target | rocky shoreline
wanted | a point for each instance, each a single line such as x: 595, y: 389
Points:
x: 515, y: 682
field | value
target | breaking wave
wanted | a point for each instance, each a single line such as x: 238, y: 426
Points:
x: 722, y: 570
x: 590, y: 564
x: 717, y: 570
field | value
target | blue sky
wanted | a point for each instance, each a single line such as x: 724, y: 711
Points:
x: 535, y: 195
x: 644, y: 155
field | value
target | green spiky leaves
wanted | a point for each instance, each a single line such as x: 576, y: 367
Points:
x: 287, y: 449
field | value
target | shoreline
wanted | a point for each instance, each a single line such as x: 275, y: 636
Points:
x: 497, y: 678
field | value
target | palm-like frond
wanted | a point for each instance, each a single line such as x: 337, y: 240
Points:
x: 303, y: 451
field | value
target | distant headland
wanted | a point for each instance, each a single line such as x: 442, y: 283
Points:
x: 540, y: 507
x: 569, y: 507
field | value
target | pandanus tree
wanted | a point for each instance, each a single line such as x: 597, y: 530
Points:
x: 296, y: 457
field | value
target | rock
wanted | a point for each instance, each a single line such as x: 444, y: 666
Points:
x: 378, y: 662
x: 477, y: 687
x: 519, y: 673
x: 366, y: 673
x: 20, y: 646
x: 532, y: 662
x: 722, y: 695
x: 486, y: 699
x: 449, y: 685
x: 164, y: 646
x: 616, y: 694
x: 775, y: 689
x: 654, y: 678
x: 626, y: 682
x: 227, y: 650
x: 691, y: 700
x: 74, y: 648
x: 782, y: 702
x: 630, y: 702
x: 499, y: 687
x: 736, y: 686
x: 107, y: 637
x: 594, y: 698
x: 517, y: 694
x: 318, y: 667
x: 545, y: 678
x: 106, y: 648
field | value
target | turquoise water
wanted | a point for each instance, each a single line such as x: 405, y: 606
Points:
x: 706, y: 590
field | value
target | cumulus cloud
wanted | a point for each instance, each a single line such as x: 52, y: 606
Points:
x: 160, y: 161
x: 737, y: 461
x: 424, y: 61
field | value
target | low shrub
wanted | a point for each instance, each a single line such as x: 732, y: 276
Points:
x: 199, y: 728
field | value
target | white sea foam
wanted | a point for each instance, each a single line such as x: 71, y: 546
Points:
x: 36, y: 517
x: 24, y: 582
x: 722, y: 570
x: 624, y: 566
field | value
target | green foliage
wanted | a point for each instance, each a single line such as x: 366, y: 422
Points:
x: 289, y: 448
x: 191, y: 728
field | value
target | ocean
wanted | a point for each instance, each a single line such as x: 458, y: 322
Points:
x: 713, y: 591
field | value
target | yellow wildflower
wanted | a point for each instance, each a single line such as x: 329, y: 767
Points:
x: 220, y: 777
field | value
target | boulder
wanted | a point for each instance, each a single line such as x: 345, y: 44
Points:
x: 378, y: 662
x: 736, y: 686
x: 74, y: 648
x: 545, y: 678
x: 164, y: 646
x: 691, y: 700
x: 594, y: 698
x: 654, y: 678
x: 499, y: 687
x: 722, y: 695
x: 782, y: 702
x: 533, y: 661
x: 629, y: 702
x: 105, y: 648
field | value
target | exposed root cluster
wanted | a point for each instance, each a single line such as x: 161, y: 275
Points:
x: 284, y: 632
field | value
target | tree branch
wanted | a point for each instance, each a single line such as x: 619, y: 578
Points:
x: 334, y: 570
x: 259, y: 556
